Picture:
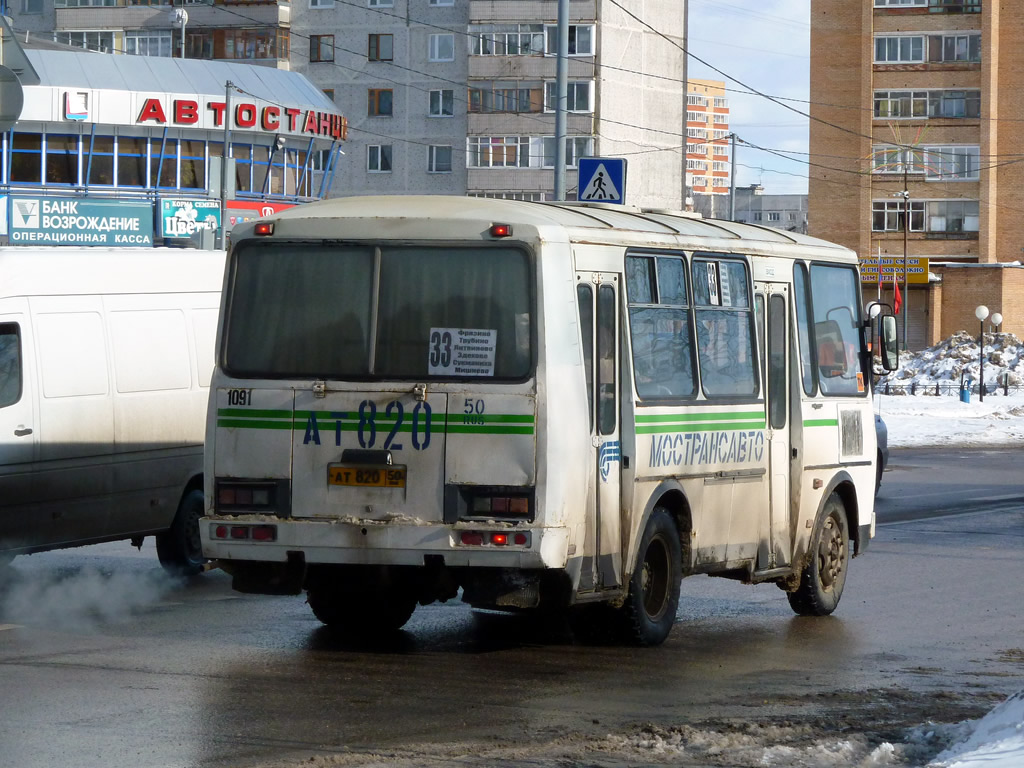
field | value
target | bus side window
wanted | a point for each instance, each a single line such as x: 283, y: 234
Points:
x: 10, y: 364
x: 803, y: 329
x: 725, y: 343
x: 659, y: 327
x: 835, y: 293
x: 585, y: 298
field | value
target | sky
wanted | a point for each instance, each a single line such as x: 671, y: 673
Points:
x: 764, y: 44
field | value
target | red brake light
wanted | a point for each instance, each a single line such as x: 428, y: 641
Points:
x: 264, y: 228
x: 472, y: 538
x: 501, y: 230
x: 500, y: 539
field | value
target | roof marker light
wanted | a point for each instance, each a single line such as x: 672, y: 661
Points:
x: 501, y: 230
x: 264, y: 228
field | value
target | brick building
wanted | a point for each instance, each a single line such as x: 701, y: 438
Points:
x: 915, y: 110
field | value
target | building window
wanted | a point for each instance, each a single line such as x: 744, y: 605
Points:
x: 721, y: 103
x: 696, y: 100
x: 379, y: 102
x: 380, y: 48
x: 380, y: 3
x: 31, y: 6
x: 507, y: 39
x: 378, y: 158
x: 581, y: 40
x: 439, y: 159
x: 953, y: 163
x: 774, y: 216
x: 696, y: 149
x: 506, y: 97
x: 696, y: 165
x: 442, y: 103
x: 577, y: 92
x: 329, y: 93
x: 888, y: 215
x: 931, y: 103
x: 888, y: 159
x: 698, y: 181
x: 321, y: 3
x: 697, y: 133
x: 900, y: 3
x: 575, y: 148
x: 498, y: 152
x: 905, y: 49
x: 102, y: 41
x: 321, y: 48
x: 439, y: 3
x: 697, y: 117
x: 442, y: 47
x: 952, y: 216
x: 960, y: 47
x: 148, y: 43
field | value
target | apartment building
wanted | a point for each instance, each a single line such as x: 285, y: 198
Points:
x: 788, y: 212
x: 458, y: 96
x: 708, y: 159
x: 441, y: 96
x: 915, y: 136
x: 246, y: 31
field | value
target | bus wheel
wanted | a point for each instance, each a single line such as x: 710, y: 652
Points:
x: 361, y: 614
x: 650, y: 606
x: 179, y: 548
x: 823, y: 578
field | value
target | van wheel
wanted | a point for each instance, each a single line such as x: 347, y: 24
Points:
x: 824, y: 576
x: 361, y: 614
x: 179, y: 548
x: 650, y: 607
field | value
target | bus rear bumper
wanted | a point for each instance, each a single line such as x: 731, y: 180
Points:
x: 375, y: 543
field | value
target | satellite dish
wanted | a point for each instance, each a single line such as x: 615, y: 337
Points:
x: 12, y: 98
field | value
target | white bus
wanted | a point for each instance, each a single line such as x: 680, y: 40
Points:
x: 538, y: 404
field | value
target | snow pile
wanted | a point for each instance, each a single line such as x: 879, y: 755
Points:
x: 997, y: 740
x: 958, y: 355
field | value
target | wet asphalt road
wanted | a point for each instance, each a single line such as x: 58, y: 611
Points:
x: 105, y: 662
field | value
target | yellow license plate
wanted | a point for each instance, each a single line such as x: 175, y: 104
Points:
x: 362, y: 476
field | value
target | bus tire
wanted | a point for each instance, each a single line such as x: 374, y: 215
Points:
x: 179, y: 548
x: 361, y: 614
x: 649, y: 610
x: 828, y: 560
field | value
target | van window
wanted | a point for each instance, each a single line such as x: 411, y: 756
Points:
x: 150, y: 350
x: 72, y: 354
x: 10, y: 364
x: 309, y: 310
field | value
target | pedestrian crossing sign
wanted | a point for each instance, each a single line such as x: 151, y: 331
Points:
x: 602, y: 180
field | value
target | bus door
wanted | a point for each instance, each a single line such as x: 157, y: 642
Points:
x: 597, y: 295
x: 775, y: 331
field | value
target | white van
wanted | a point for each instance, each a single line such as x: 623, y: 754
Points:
x: 105, y: 364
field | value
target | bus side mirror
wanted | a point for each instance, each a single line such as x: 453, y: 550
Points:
x: 890, y: 343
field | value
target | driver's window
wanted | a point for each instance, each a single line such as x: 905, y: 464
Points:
x: 834, y: 298
x: 10, y: 364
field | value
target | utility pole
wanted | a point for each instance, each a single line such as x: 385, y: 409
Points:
x: 906, y: 230
x: 224, y: 164
x: 732, y: 178
x: 562, y: 89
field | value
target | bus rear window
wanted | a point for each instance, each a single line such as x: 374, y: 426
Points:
x: 309, y: 310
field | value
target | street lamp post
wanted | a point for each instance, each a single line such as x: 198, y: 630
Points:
x: 981, y: 313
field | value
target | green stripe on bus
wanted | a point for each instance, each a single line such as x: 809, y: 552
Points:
x: 254, y: 413
x: 653, y: 429
x: 663, y: 418
x: 821, y: 422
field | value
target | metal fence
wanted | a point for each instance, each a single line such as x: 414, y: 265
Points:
x: 940, y: 388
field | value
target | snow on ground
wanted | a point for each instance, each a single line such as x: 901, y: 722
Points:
x: 997, y: 740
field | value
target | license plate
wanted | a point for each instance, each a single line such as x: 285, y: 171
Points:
x: 362, y: 476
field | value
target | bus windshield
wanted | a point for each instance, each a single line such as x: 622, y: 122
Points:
x: 308, y: 310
